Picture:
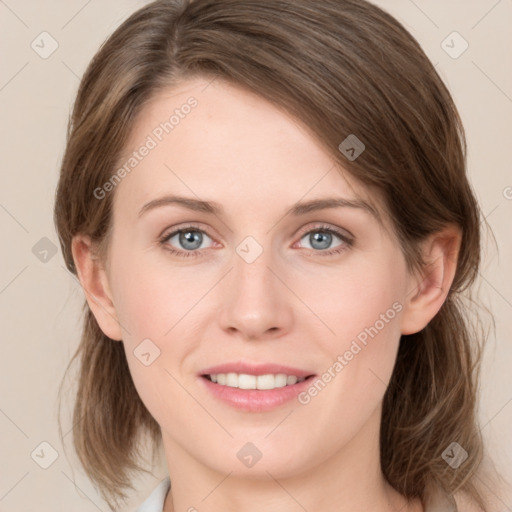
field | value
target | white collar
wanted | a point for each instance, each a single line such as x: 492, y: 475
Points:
x: 156, y: 500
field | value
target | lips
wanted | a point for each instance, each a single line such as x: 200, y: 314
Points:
x: 256, y: 369
x: 255, y: 387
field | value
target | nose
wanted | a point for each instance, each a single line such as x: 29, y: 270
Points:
x: 256, y: 304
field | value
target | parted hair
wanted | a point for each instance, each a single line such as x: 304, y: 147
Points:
x: 340, y: 67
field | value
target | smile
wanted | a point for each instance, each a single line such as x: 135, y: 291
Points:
x: 256, y: 400
x: 262, y: 382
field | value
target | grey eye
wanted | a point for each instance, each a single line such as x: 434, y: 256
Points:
x: 189, y: 239
x: 320, y: 239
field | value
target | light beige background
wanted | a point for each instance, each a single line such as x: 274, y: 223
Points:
x: 40, y: 301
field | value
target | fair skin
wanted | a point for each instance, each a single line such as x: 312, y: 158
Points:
x: 292, y: 305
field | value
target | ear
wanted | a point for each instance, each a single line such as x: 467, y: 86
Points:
x: 93, y: 278
x: 429, y: 290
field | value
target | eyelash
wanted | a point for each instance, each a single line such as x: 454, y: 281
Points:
x: 347, y: 242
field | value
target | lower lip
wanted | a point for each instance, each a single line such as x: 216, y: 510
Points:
x: 256, y: 400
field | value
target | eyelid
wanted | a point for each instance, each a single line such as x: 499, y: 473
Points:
x: 346, y: 236
x: 167, y: 232
x: 344, y: 233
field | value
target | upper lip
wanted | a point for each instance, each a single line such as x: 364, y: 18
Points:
x: 255, y: 369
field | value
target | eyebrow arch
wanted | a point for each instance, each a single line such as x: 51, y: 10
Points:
x: 296, y: 210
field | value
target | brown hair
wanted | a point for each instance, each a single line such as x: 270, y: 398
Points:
x: 341, y: 67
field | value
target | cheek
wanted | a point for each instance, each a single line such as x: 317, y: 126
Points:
x: 149, y: 306
x: 362, y: 309
x: 154, y: 305
x: 366, y: 294
x: 149, y: 298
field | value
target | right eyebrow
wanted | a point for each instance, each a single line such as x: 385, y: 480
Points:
x: 331, y: 202
x: 187, y: 202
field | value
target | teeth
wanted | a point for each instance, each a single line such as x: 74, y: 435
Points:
x: 245, y: 381
x: 232, y: 380
x: 291, y: 379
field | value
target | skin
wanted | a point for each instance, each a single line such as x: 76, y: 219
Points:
x: 292, y: 305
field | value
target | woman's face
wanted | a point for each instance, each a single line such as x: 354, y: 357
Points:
x: 255, y: 285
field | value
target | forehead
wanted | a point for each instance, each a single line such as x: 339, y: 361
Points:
x: 213, y: 139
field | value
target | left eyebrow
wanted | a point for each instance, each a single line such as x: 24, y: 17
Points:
x: 331, y: 202
x: 296, y: 210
